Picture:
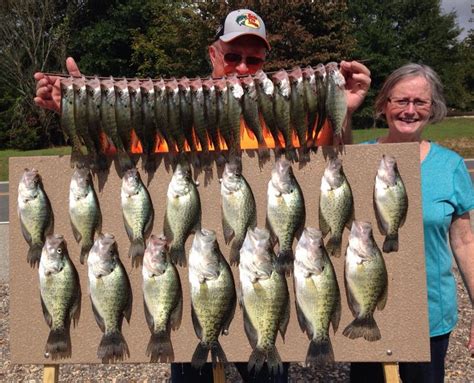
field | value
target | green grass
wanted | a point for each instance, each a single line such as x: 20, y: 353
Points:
x: 455, y: 133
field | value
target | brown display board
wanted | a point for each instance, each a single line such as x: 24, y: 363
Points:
x: 403, y: 323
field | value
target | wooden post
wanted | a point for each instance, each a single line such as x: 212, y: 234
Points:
x: 51, y: 373
x: 218, y: 373
x: 390, y: 371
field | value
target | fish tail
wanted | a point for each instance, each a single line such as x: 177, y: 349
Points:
x: 234, y: 255
x: 365, y: 327
x: 112, y: 347
x: 177, y: 255
x: 291, y: 154
x: 34, y: 254
x: 137, y: 248
x: 263, y: 152
x: 319, y: 352
x: 285, y: 261
x: 125, y: 162
x: 258, y: 357
x: 150, y: 164
x: 199, y: 357
x: 391, y: 243
x: 101, y: 162
x: 58, y: 341
x: 334, y: 246
x: 160, y: 348
x: 217, y: 353
x: 85, y: 248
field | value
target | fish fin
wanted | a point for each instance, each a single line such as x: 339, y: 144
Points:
x: 58, y: 343
x: 200, y: 354
x: 217, y: 354
x: 228, y: 231
x: 101, y: 161
x: 291, y: 155
x: 323, y: 225
x: 76, y: 233
x: 177, y: 313
x: 258, y: 357
x: 234, y: 254
x: 137, y: 248
x: 127, y: 312
x: 263, y: 152
x: 336, y: 315
x: 75, y: 312
x: 197, y: 326
x: 383, y: 298
x: 150, y: 163
x: 167, y: 229
x: 85, y: 248
x: 34, y: 254
x: 351, y: 301
x: 128, y: 229
x: 391, y: 243
x: 365, y: 327
x: 159, y: 348
x: 112, y: 347
x: 285, y: 260
x: 333, y: 246
x: 25, y: 232
x: 319, y: 352
x: 302, y: 321
x: 177, y: 254
x: 149, y: 318
x: 99, y: 320
x: 250, y: 330
x: 124, y: 160
x: 46, y: 314
x: 285, y: 320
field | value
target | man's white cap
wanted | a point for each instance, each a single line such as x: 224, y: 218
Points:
x: 243, y: 22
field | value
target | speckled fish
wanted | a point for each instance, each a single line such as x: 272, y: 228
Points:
x: 93, y: 99
x: 123, y: 113
x: 251, y: 116
x: 60, y: 295
x: 68, y: 123
x: 318, y: 301
x: 239, y: 211
x: 222, y: 110
x: 174, y: 122
x: 84, y: 210
x: 163, y: 299
x: 285, y: 211
x: 321, y: 91
x: 311, y: 101
x: 391, y: 201
x: 264, y: 299
x: 111, y: 297
x: 149, y: 126
x: 108, y: 122
x: 336, y: 102
x: 265, y: 95
x: 136, y: 101
x: 35, y: 213
x: 336, y: 205
x: 161, y: 114
x: 183, y: 212
x: 137, y: 210
x: 213, y: 297
x: 186, y: 111
x: 210, y: 111
x: 234, y: 110
x: 366, y: 282
x: 199, y: 119
x: 298, y: 110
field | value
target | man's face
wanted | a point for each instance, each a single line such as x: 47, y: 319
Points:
x: 244, y: 55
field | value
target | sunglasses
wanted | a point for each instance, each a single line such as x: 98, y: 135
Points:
x: 235, y: 58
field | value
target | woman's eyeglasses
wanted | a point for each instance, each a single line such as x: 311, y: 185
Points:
x: 235, y: 58
x: 404, y: 102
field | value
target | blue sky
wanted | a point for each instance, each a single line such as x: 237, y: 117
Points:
x: 463, y: 8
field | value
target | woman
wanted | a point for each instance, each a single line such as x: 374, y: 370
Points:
x: 410, y: 99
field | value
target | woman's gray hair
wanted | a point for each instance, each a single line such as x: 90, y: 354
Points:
x: 438, y: 107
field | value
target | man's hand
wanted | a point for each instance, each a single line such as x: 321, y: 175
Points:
x: 357, y: 77
x: 48, y: 90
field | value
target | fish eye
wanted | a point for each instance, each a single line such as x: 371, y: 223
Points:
x: 59, y: 250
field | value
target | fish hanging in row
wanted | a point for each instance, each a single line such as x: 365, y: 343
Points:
x: 176, y: 115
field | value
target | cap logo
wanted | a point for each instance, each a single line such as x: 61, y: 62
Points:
x: 248, y: 20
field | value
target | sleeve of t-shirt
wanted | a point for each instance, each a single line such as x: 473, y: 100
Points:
x: 463, y: 190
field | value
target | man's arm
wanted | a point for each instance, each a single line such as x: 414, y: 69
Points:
x: 462, y: 245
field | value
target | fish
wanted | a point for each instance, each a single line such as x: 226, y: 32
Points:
x: 149, y: 124
x: 161, y: 113
x: 108, y: 121
x: 68, y: 123
x: 84, y: 210
x: 93, y: 102
x: 251, y: 116
x: 239, y: 211
x: 174, y: 122
x: 199, y: 119
x: 366, y: 281
x: 265, y: 96
x: 162, y: 297
x: 264, y: 299
x: 210, y: 111
x: 123, y: 113
x: 111, y: 297
x: 390, y: 201
x: 136, y: 101
x: 35, y: 213
x: 213, y: 297
x: 310, y: 101
x: 336, y: 102
x: 281, y: 108
x: 318, y: 300
x: 60, y: 293
x: 234, y: 110
x: 222, y: 111
x: 137, y: 211
x: 285, y: 211
x: 183, y: 212
x: 321, y: 92
x: 298, y: 110
x: 336, y: 205
x: 186, y: 111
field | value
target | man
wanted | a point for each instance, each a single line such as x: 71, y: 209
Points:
x: 241, y: 46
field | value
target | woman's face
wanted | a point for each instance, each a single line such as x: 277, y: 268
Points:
x: 408, y: 108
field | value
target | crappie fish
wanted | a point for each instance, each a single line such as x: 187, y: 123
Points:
x: 186, y: 111
x: 60, y: 295
x: 136, y: 101
x: 161, y: 113
x: 199, y: 118
x: 84, y: 210
x: 234, y: 110
x: 149, y: 124
x: 366, y: 282
x: 239, y: 211
x: 213, y: 297
x: 318, y: 301
x: 137, y: 210
x: 391, y: 202
x: 285, y: 211
x: 68, y: 123
x: 123, y: 114
x: 298, y: 110
x: 336, y: 102
x: 335, y: 205
x: 174, y: 123
x: 111, y: 297
x: 163, y: 299
x: 321, y: 91
x: 183, y: 212
x: 264, y: 299
x: 222, y: 101
x: 210, y: 111
x: 311, y: 101
x: 35, y: 213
